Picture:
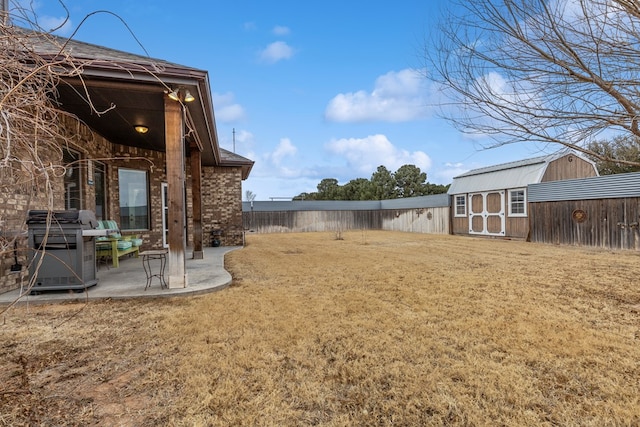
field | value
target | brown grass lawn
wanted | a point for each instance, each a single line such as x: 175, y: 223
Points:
x: 378, y: 329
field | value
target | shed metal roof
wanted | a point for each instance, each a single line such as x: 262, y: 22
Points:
x: 597, y: 187
x: 518, y: 174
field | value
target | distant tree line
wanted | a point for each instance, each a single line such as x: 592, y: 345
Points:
x: 407, y: 181
x: 622, y: 147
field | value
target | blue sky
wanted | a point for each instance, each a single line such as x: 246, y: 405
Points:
x: 314, y: 90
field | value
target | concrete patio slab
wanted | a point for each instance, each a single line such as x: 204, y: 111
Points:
x: 129, y: 281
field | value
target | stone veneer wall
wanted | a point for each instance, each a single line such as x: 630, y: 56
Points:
x: 221, y: 196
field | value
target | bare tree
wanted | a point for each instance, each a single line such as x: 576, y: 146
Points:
x: 559, y: 71
x: 620, y: 147
x: 249, y: 196
x: 33, y: 131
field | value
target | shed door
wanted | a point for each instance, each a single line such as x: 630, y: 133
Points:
x: 486, y: 213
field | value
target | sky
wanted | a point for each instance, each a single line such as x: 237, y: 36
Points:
x: 306, y: 89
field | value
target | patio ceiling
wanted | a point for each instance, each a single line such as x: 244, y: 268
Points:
x: 128, y: 89
x: 120, y: 105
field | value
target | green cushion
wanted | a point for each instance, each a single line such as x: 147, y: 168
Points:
x: 135, y: 241
x: 108, y: 224
x: 124, y: 244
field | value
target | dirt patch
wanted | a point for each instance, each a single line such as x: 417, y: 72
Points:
x: 378, y: 328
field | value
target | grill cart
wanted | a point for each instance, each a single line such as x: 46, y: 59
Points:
x: 63, y: 252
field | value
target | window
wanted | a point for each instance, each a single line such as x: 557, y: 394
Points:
x: 134, y: 199
x: 461, y: 206
x: 99, y: 182
x: 518, y: 202
x: 72, y: 190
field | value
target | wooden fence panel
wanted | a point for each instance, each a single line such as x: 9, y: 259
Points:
x: 421, y: 220
x: 605, y: 223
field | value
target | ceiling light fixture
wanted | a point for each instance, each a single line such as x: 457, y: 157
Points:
x: 188, y: 97
x: 141, y: 129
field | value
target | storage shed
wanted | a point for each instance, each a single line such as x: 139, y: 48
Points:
x: 492, y: 201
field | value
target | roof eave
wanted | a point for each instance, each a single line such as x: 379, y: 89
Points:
x: 170, y: 77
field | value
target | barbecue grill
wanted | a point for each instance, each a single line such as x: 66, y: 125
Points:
x: 62, y: 248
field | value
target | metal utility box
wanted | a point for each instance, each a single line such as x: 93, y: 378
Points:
x: 63, y: 249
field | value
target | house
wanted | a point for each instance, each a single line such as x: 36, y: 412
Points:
x: 150, y: 159
x: 493, y: 201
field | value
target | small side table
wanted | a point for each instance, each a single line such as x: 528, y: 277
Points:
x: 147, y: 257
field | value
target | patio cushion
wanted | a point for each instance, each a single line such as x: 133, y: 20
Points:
x: 135, y: 241
x: 124, y: 244
x: 108, y: 224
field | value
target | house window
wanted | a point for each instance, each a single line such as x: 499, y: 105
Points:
x: 72, y: 182
x: 99, y: 182
x: 518, y: 202
x: 133, y: 188
x: 461, y: 206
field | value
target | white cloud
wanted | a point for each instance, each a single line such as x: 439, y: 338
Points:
x: 279, y: 30
x: 49, y: 23
x: 280, y: 164
x: 365, y: 154
x: 227, y: 110
x: 448, y: 172
x: 397, y: 97
x: 27, y: 12
x: 276, y: 51
x: 244, y: 141
x: 249, y: 26
x: 284, y: 149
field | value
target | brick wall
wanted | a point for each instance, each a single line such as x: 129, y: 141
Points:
x: 22, y: 187
x: 222, y: 204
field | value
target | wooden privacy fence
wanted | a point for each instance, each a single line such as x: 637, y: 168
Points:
x: 428, y: 214
x: 605, y: 223
x: 601, y: 211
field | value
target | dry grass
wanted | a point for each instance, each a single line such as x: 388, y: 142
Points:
x: 376, y: 329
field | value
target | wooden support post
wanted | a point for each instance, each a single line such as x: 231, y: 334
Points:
x: 174, y: 141
x: 196, y: 195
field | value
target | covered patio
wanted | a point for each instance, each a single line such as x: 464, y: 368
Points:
x: 129, y: 280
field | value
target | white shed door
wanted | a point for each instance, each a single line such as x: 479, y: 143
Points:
x: 486, y: 213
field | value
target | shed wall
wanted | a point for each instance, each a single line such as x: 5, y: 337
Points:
x: 460, y: 225
x: 568, y: 167
x: 517, y: 227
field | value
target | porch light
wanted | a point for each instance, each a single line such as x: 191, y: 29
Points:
x: 174, y: 95
x: 188, y: 97
x: 141, y: 129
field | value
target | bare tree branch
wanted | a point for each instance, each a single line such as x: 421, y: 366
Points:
x: 560, y: 72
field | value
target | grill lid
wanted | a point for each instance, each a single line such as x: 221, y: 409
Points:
x: 86, y: 218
